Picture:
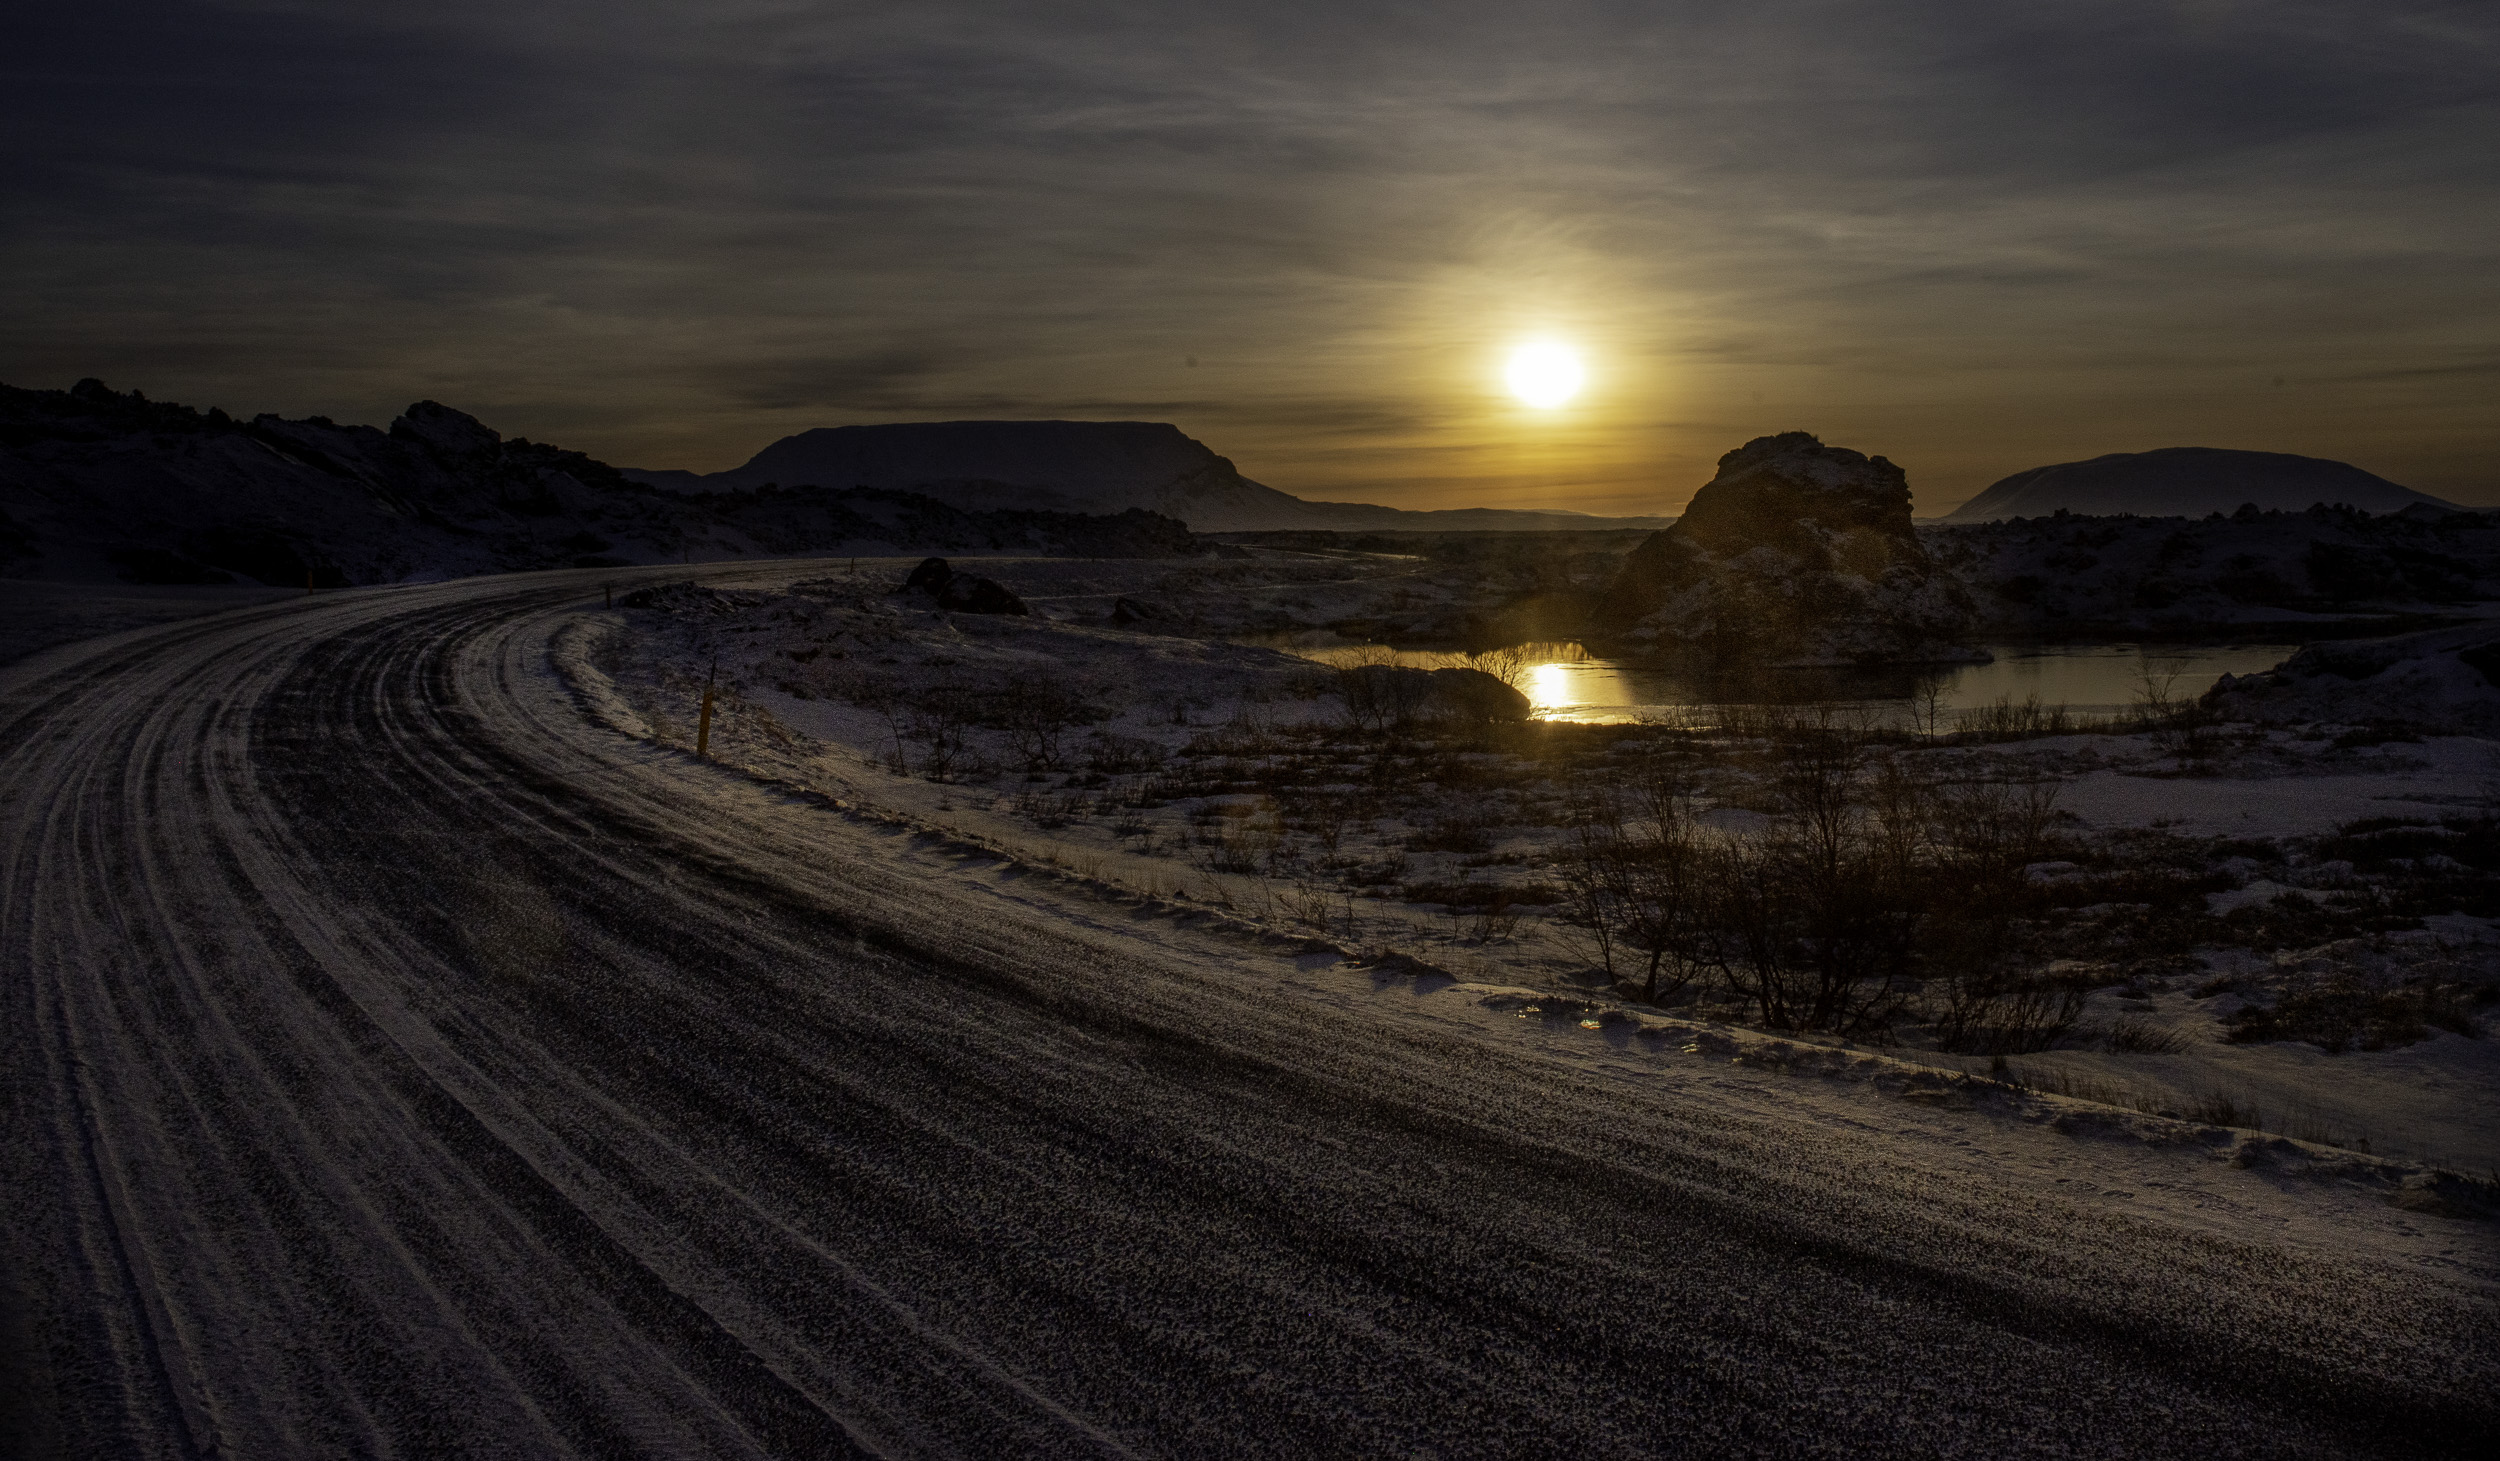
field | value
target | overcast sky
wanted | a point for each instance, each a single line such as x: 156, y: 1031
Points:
x: 1975, y: 237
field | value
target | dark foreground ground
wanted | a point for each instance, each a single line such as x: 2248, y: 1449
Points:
x: 397, y: 1063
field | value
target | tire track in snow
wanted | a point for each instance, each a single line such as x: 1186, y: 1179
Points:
x: 482, y: 1082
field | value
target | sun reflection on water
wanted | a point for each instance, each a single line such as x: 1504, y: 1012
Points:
x: 1563, y: 681
x: 1548, y: 686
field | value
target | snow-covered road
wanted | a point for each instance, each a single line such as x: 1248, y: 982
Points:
x: 400, y: 1063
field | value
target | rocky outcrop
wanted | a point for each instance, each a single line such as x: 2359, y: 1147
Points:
x: 1795, y: 553
x: 2440, y: 680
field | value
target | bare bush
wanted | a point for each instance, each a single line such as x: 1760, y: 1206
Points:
x: 2008, y: 719
x: 1116, y: 755
x: 1314, y: 906
x: 1638, y: 883
x: 1036, y: 715
x: 2131, y: 1036
x: 1510, y: 664
x: 1378, y: 700
x: 1867, y: 885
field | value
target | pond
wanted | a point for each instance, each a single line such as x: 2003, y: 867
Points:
x: 1565, y: 682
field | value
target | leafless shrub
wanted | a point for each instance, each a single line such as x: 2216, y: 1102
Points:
x: 1985, y: 992
x: 1509, y: 664
x: 2132, y: 1036
x: 1493, y: 922
x: 1638, y: 884
x: 882, y: 695
x: 2180, y: 723
x: 1036, y: 716
x: 1378, y: 700
x: 1313, y: 905
x: 2348, y: 1006
x: 1867, y: 885
x: 1117, y: 755
x: 1459, y: 832
x: 2008, y: 719
x: 1240, y: 844
x: 1927, y: 705
x: 2211, y: 1107
x: 1324, y: 817
x: 936, y: 724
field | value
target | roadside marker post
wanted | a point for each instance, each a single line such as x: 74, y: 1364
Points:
x: 703, y: 718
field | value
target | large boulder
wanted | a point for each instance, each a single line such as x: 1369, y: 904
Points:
x: 961, y: 593
x: 1795, y: 553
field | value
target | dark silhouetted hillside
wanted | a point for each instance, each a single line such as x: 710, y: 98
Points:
x: 2186, y: 481
x: 97, y: 484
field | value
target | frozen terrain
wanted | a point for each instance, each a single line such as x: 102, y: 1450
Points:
x: 37, y: 615
x: 1180, y: 765
x: 414, y: 1051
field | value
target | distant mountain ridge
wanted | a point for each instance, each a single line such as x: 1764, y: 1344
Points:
x: 2186, y: 481
x: 1079, y: 466
x: 100, y: 484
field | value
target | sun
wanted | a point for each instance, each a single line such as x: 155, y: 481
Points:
x: 1544, y: 374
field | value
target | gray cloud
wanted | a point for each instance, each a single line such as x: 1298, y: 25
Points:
x: 1973, y: 236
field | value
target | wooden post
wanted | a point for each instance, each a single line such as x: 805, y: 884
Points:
x: 703, y: 719
x: 607, y: 595
x: 308, y: 588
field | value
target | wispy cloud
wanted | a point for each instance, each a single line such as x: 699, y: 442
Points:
x: 1972, y: 236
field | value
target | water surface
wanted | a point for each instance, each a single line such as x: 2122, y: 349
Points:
x: 1565, y: 682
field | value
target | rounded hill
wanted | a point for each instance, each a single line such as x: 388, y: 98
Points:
x: 2186, y: 481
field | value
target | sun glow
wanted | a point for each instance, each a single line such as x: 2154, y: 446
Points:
x: 1549, y: 685
x: 1544, y: 374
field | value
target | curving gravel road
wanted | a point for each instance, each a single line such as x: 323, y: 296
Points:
x: 399, y: 1063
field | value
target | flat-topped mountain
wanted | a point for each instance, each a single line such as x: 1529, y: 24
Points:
x: 2186, y: 481
x: 1077, y: 466
x: 97, y: 484
x: 1063, y: 466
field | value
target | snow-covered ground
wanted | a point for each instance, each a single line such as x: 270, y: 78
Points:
x: 36, y: 615
x: 1216, y: 775
x: 412, y: 1049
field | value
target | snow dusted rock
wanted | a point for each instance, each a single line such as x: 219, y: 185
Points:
x: 962, y: 593
x: 2442, y: 679
x: 1795, y: 553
